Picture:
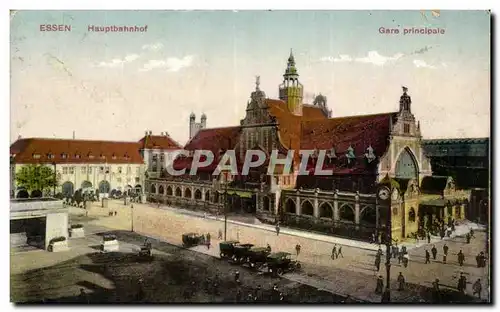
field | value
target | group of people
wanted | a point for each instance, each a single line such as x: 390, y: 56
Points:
x: 336, y: 252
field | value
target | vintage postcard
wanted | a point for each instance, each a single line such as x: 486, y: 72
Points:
x: 250, y: 156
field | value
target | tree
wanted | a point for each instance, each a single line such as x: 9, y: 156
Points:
x: 36, y: 177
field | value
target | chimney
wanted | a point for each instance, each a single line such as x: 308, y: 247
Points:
x: 162, y: 134
x: 150, y: 132
x: 73, y: 134
x: 166, y: 133
x: 146, y: 133
x: 19, y: 137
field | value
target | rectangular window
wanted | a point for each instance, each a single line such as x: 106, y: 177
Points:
x: 84, y: 170
x: 137, y: 180
x: 129, y: 169
x: 65, y: 170
x: 120, y: 170
x: 101, y: 169
x: 119, y: 180
x: 107, y: 170
x: 137, y: 172
x: 90, y: 170
x: 71, y: 170
x: 406, y: 128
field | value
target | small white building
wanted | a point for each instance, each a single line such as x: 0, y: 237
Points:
x: 158, y: 151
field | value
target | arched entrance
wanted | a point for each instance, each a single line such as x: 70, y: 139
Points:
x: 307, y: 208
x: 178, y: 192
x: 368, y: 216
x: 138, y: 189
x: 104, y: 187
x: 187, y: 193
x: 86, y: 185
x: 161, y: 190
x: 346, y: 213
x: 169, y: 191
x: 325, y: 211
x: 406, y: 165
x: 152, y: 189
x: 290, y: 206
x: 265, y: 203
x: 197, y: 194
x: 68, y: 189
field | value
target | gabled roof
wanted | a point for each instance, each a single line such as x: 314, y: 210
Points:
x: 48, y: 151
x: 164, y: 142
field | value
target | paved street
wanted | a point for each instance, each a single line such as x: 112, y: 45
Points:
x: 169, y: 225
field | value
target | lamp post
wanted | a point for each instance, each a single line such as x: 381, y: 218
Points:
x: 384, y: 194
x: 225, y: 211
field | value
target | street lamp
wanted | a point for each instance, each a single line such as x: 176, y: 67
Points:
x: 225, y: 211
x: 384, y: 194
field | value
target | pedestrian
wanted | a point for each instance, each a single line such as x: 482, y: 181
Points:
x: 441, y: 233
x: 400, y: 257
x: 373, y: 238
x: 380, y: 285
x: 238, y: 295
x: 334, y: 252
x: 339, y: 253
x: 219, y: 236
x: 297, y: 249
x: 461, y: 258
x: 406, y: 259
x: 435, y: 291
x: 444, y: 258
x: 476, y: 288
x: 427, y: 257
x: 401, y: 281
x: 394, y: 250
x: 379, y: 251
x: 453, y: 225
x: 445, y: 249
x: 116, y: 212
x: 277, y: 229
x: 428, y: 237
x: 467, y: 238
x: 434, y: 252
x: 462, y: 283
x: 268, y: 248
x: 237, y: 277
x: 472, y: 233
x: 208, y: 240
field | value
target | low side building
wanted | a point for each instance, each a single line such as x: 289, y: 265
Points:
x: 36, y: 221
x: 97, y: 165
x: 158, y: 151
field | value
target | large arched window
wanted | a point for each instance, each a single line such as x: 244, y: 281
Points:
x: 153, y: 189
x: 187, y: 193
x: 161, y: 190
x: 68, y: 189
x: 178, y: 192
x: 406, y: 165
x: 169, y: 190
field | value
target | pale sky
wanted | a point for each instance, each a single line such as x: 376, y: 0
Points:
x: 115, y: 86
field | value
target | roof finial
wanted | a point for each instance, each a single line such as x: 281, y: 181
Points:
x: 257, y: 83
x: 291, y: 59
x: 405, y: 89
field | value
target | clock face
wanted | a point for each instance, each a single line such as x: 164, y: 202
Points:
x: 383, y: 194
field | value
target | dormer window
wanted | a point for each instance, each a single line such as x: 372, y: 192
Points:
x: 90, y: 156
x: 77, y: 156
x: 332, y: 153
x: 50, y: 156
x: 113, y: 156
x: 350, y: 154
x: 36, y: 156
x: 64, y: 155
x: 370, y: 156
x: 126, y: 156
x: 102, y: 156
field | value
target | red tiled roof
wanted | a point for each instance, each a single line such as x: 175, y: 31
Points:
x: 312, y: 112
x: 46, y: 151
x: 164, y: 142
x: 358, y: 132
x: 212, y: 139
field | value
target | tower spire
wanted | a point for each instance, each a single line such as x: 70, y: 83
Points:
x: 291, y: 90
x: 257, y: 83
